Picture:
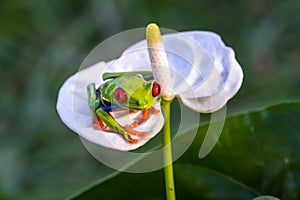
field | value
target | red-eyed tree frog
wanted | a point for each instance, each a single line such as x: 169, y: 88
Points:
x: 124, y: 90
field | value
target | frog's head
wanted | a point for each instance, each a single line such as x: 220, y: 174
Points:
x: 136, y: 93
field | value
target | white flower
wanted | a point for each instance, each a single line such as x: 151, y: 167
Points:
x: 204, y: 72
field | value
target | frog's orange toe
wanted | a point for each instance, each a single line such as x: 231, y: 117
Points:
x: 134, y: 141
x: 131, y: 131
x: 145, y: 115
x: 142, y: 134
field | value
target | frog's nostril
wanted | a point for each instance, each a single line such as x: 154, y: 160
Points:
x: 137, y: 102
x: 142, y: 102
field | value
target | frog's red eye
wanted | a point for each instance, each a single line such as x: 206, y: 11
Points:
x: 120, y: 95
x: 155, y: 89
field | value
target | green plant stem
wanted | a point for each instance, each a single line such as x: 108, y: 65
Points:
x: 168, y: 169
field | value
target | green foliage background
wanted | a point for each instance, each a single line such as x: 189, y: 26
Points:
x: 42, y: 42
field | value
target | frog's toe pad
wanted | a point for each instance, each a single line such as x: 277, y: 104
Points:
x: 134, y: 124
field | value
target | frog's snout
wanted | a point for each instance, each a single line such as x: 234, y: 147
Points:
x: 141, y: 102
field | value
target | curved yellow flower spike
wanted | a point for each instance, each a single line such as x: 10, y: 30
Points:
x: 159, y: 61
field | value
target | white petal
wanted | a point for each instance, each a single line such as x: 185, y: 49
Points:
x: 228, y: 69
x: 72, y: 107
x: 204, y: 70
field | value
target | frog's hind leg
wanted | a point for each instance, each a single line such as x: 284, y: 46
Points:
x: 110, y: 122
x: 98, y: 123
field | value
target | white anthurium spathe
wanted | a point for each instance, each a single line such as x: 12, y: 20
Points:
x: 204, y: 73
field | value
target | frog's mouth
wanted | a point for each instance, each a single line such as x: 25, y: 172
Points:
x: 140, y: 104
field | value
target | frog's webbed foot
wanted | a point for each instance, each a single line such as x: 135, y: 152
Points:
x: 145, y: 116
x: 131, y: 131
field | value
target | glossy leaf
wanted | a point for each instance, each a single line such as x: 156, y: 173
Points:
x: 258, y: 149
x: 256, y: 155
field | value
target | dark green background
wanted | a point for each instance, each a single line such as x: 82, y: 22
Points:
x: 42, y: 42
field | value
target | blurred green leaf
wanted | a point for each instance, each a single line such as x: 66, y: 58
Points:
x: 195, y: 182
x: 256, y: 154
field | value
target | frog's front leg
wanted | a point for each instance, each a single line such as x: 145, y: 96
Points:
x: 93, y: 102
x: 111, y: 123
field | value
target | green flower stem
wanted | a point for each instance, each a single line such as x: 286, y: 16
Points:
x: 168, y: 170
